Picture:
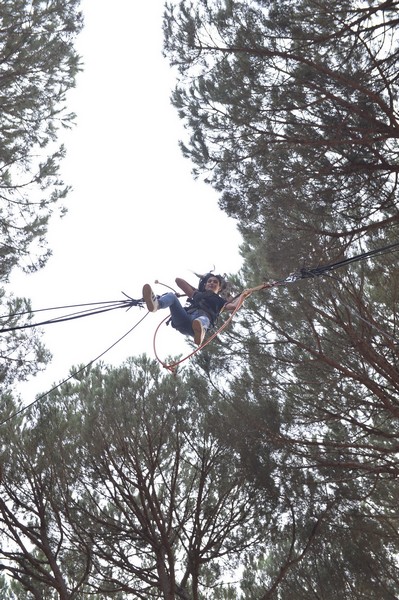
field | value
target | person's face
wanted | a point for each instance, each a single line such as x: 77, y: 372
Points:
x: 213, y: 285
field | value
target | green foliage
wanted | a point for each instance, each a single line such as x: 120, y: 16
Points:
x: 38, y: 67
x: 287, y: 105
x: 116, y: 482
x: 269, y: 469
x: 291, y: 114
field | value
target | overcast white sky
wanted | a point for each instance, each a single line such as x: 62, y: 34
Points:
x: 136, y: 214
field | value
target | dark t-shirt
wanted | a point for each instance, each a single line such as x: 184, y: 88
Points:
x: 209, y: 302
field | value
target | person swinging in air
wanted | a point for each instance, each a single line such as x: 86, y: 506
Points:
x: 205, y: 305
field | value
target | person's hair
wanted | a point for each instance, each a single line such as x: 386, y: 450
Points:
x: 204, y: 279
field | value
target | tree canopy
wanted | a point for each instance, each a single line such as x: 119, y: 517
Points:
x: 116, y: 486
x: 291, y: 113
x: 38, y: 65
x: 267, y: 469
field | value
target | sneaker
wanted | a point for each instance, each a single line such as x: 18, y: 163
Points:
x: 150, y: 298
x: 199, y: 332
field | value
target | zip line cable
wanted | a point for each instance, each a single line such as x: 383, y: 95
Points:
x: 303, y: 273
x: 101, y: 307
x: 61, y: 319
x: 26, y: 312
x: 109, y: 305
x: 24, y: 408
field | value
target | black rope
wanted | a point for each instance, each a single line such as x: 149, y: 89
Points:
x: 305, y: 273
x: 24, y: 408
x: 106, y: 306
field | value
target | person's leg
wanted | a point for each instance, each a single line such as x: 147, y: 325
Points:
x: 204, y: 320
x: 193, y: 323
x: 181, y: 320
x: 150, y: 298
x: 199, y: 331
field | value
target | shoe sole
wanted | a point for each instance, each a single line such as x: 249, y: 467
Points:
x: 198, y: 332
x: 149, y: 298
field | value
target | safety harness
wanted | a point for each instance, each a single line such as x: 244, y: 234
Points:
x: 208, y: 302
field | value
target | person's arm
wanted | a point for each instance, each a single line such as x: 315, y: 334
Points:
x: 230, y: 306
x: 186, y: 287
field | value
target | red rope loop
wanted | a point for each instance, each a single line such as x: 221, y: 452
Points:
x: 173, y: 366
x: 245, y: 294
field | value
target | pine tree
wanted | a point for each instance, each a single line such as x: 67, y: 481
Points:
x: 291, y: 110
x: 292, y: 114
x: 38, y: 65
x: 125, y: 489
